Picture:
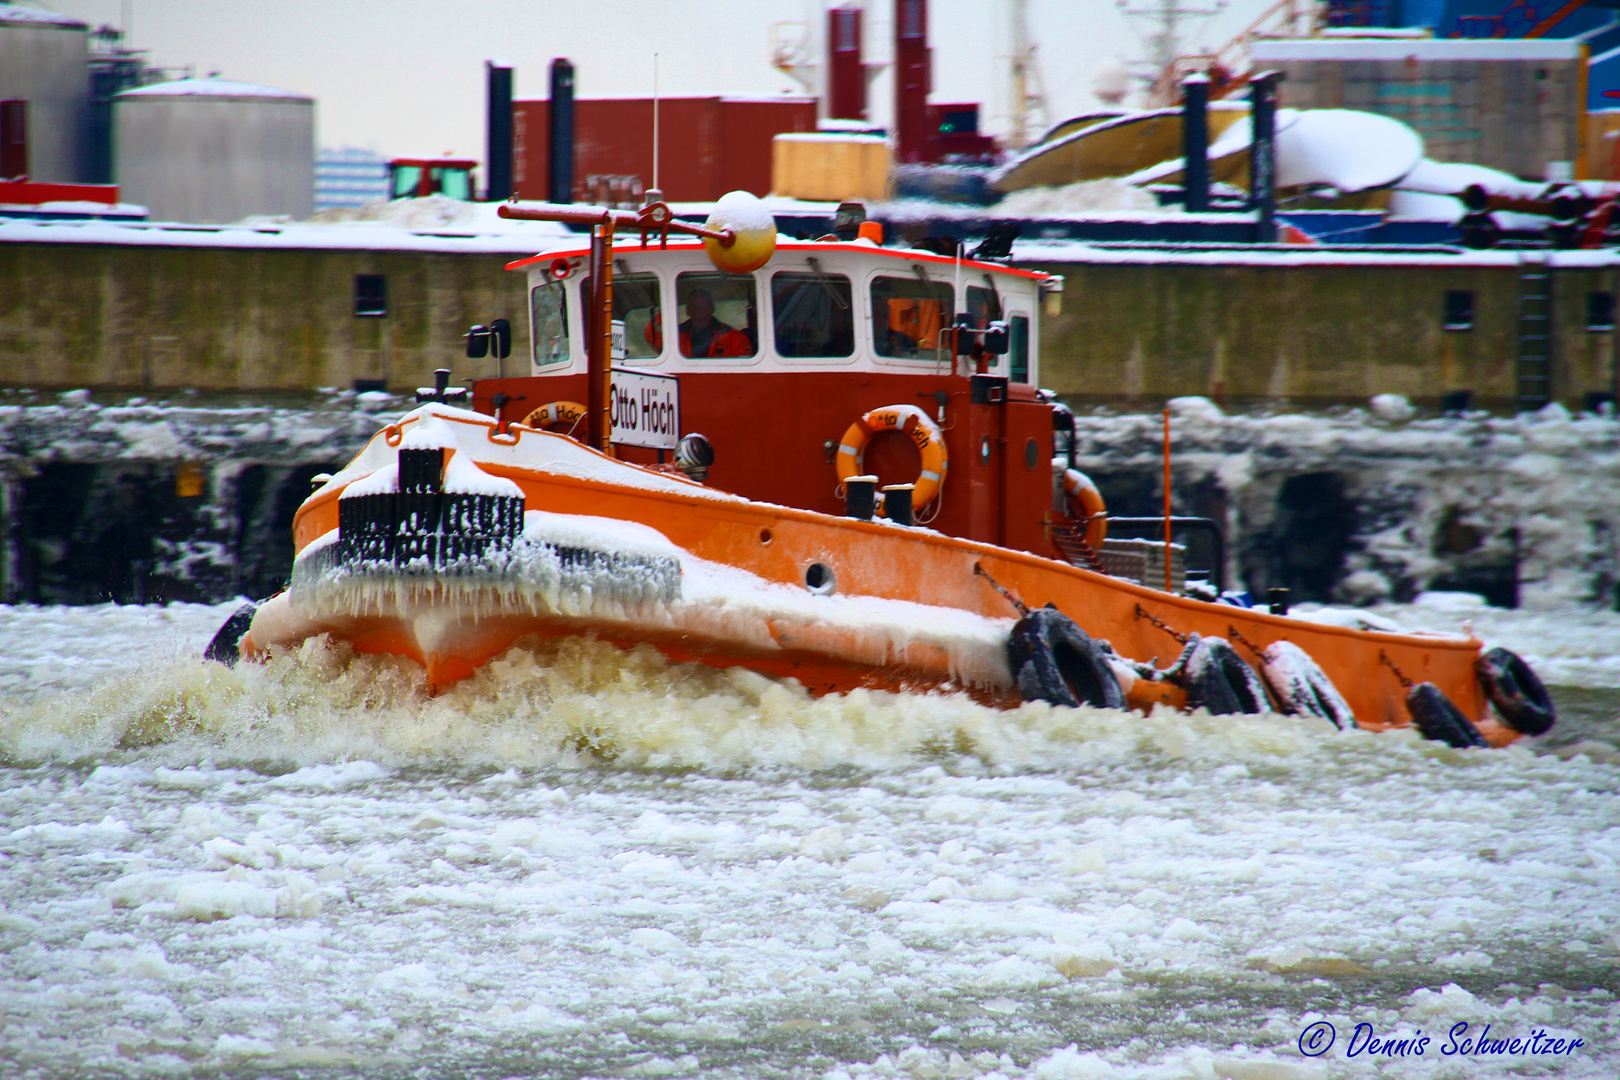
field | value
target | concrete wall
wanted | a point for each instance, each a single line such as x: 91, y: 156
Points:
x: 149, y: 317
x: 1144, y: 332
x: 215, y: 158
x: 90, y: 315
x: 47, y: 65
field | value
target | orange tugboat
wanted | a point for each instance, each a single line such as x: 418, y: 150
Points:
x: 873, y: 501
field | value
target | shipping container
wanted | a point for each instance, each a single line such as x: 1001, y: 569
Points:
x: 709, y: 146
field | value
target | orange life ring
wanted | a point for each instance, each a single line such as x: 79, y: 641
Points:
x: 1086, y: 506
x: 915, y: 425
x: 556, y: 412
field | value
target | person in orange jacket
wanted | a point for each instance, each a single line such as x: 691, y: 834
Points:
x: 702, y: 334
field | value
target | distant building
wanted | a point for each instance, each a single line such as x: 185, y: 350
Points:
x: 211, y: 150
x: 349, y: 177
x: 44, y: 96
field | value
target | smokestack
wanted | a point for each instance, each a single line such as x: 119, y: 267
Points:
x: 1195, y: 144
x: 560, y: 154
x: 1263, y: 154
x: 846, y: 75
x: 912, y: 79
x: 498, y: 152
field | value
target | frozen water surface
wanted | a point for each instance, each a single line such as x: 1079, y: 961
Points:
x: 587, y: 863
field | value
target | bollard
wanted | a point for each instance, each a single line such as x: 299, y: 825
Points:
x: 860, y: 497
x: 897, y: 503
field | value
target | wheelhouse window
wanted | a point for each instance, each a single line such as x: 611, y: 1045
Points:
x: 717, y: 315
x: 1018, y: 347
x: 907, y: 316
x: 550, y: 323
x: 638, y: 302
x: 984, y: 307
x: 370, y: 295
x: 812, y: 314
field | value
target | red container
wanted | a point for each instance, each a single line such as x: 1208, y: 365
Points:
x: 709, y: 146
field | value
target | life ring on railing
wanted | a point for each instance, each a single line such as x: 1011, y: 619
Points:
x: 1516, y: 692
x: 915, y: 425
x: 556, y: 412
x: 1086, y: 506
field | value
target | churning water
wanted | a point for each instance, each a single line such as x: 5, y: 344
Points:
x: 588, y: 863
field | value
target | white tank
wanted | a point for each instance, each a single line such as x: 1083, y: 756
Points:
x: 45, y: 61
x: 211, y: 150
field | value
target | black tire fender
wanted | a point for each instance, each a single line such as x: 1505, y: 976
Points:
x: 1437, y: 718
x: 226, y: 648
x: 1215, y: 677
x: 1300, y: 686
x: 1515, y: 692
x: 1053, y: 660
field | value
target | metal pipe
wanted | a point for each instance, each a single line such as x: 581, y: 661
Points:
x: 655, y: 218
x: 1263, y: 154
x: 1195, y: 144
x: 1167, y: 500
x: 498, y: 129
x: 560, y: 136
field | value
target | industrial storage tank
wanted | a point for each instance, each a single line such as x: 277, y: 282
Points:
x: 212, y: 150
x: 45, y: 64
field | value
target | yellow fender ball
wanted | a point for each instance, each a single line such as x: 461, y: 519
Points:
x: 754, y: 231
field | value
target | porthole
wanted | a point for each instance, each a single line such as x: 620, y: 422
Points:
x: 819, y: 579
x: 764, y: 536
x: 984, y: 450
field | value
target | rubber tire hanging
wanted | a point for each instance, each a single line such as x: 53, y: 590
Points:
x: 1053, y: 660
x: 1437, y: 718
x: 1517, y: 694
x: 1216, y: 677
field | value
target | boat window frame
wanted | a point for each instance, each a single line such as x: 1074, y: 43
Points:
x: 859, y: 350
x: 622, y: 268
x: 1030, y: 342
x: 944, y: 361
x: 671, y: 273
x: 536, y: 369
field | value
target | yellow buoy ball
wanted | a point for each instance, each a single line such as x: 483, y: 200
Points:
x: 750, y: 221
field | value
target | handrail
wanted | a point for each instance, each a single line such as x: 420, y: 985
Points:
x: 1209, y: 525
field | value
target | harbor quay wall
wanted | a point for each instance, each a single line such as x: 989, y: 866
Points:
x: 1318, y: 329
x: 1136, y: 329
x: 118, y: 498
x: 151, y: 317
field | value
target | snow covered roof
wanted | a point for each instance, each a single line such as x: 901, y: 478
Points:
x: 221, y: 88
x: 353, y: 236
x: 1262, y: 53
x: 32, y: 16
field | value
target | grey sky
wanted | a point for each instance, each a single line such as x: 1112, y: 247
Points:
x: 406, y: 76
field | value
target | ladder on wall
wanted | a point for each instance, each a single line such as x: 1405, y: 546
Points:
x: 1535, y: 332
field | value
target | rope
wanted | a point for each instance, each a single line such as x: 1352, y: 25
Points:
x: 1143, y: 613
x: 1384, y: 659
x: 1232, y: 632
x: 994, y: 584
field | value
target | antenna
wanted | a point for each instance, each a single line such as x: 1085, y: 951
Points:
x: 657, y: 193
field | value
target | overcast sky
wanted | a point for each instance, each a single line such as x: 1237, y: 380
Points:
x: 406, y: 77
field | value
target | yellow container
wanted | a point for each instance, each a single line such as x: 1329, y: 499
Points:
x: 827, y: 166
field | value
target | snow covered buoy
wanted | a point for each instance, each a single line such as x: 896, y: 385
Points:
x: 753, y: 233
